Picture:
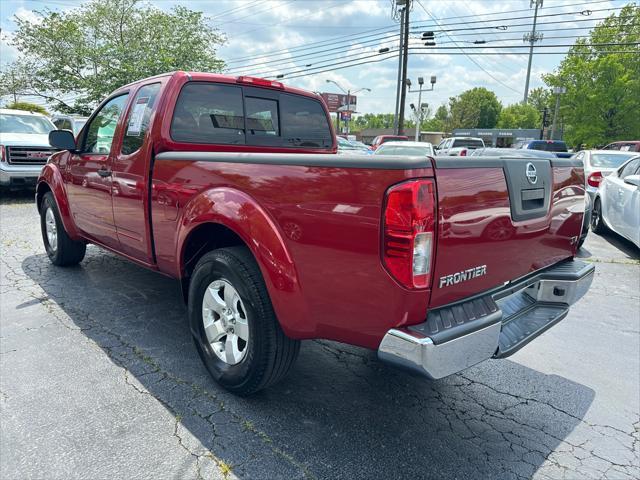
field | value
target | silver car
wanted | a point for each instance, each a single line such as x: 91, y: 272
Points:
x: 617, y: 202
x: 405, y: 148
x: 600, y: 163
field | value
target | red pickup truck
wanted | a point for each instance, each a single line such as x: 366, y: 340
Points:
x: 233, y: 187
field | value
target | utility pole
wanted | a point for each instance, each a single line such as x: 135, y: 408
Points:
x: 531, y: 38
x: 405, y: 57
x: 400, y: 55
x: 558, y: 91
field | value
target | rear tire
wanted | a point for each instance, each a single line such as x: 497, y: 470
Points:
x: 233, y: 324
x: 597, y: 222
x: 61, y: 249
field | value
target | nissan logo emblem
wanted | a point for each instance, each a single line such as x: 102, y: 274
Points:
x: 531, y: 173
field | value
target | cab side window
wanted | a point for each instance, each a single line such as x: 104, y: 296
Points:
x: 139, y: 117
x: 102, y: 128
x: 209, y: 113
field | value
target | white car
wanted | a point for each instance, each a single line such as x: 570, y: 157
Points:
x: 600, y: 163
x: 420, y: 149
x: 459, y: 146
x: 617, y: 202
x: 24, y: 146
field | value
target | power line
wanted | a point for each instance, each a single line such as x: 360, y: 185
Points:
x: 392, y: 36
x: 291, y: 77
x: 437, y: 51
x: 388, y: 29
x: 472, y: 60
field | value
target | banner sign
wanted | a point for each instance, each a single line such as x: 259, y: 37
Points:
x: 336, y: 100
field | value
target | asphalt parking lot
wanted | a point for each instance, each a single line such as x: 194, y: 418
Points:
x: 99, y: 379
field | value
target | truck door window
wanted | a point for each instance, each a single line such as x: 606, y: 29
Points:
x: 304, y: 122
x: 139, y: 116
x: 102, y: 128
x: 209, y: 113
x: 262, y: 116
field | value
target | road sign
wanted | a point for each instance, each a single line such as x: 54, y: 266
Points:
x: 345, y: 116
x: 335, y: 101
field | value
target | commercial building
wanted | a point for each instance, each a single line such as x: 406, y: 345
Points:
x: 499, y: 137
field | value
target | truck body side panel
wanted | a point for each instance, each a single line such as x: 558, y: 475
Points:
x: 322, y: 261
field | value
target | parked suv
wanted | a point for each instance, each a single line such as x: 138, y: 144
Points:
x: 24, y: 146
x: 69, y: 122
x: 459, y: 146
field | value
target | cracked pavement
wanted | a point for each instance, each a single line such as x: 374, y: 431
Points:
x: 99, y: 379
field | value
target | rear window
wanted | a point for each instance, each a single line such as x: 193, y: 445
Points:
x: 549, y: 146
x: 225, y: 114
x: 467, y: 142
x: 609, y: 160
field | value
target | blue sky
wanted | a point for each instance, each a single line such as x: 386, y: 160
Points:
x: 257, y: 28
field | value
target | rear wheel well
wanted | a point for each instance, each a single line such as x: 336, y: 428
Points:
x: 40, y: 191
x: 203, y: 239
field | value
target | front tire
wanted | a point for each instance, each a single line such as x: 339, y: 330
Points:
x: 233, y: 324
x: 61, y: 249
x: 597, y: 222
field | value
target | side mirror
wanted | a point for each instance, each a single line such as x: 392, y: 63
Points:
x: 633, y: 180
x: 62, y: 140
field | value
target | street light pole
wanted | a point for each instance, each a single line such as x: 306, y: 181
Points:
x: 348, y: 93
x: 558, y: 91
x: 419, y: 111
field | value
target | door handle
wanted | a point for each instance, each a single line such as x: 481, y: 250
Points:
x: 103, y: 172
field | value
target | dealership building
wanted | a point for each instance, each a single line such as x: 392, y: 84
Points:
x: 499, y: 137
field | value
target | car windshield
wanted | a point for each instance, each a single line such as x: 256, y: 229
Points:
x: 402, y: 150
x: 549, y: 146
x: 609, y: 160
x: 11, y: 123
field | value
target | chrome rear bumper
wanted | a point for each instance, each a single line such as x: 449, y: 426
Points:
x: 493, y: 325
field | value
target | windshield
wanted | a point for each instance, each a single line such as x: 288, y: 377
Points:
x: 402, y: 150
x: 609, y: 160
x: 11, y: 123
x: 468, y: 142
x: 549, y: 146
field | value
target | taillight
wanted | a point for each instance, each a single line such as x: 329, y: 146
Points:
x: 1, y: 153
x: 463, y: 152
x: 409, y: 226
x: 594, y: 179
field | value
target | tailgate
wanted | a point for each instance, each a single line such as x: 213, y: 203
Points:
x: 500, y: 219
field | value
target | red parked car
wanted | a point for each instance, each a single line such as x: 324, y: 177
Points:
x: 380, y: 139
x: 233, y: 187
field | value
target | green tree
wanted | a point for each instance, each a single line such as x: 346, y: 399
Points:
x: 475, y: 108
x: 29, y: 107
x: 541, y: 98
x: 602, y: 100
x: 75, y: 58
x: 519, y: 115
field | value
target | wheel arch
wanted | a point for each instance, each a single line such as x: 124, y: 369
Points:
x: 50, y: 180
x: 223, y: 217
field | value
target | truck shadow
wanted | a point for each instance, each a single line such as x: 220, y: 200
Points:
x: 340, y: 414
